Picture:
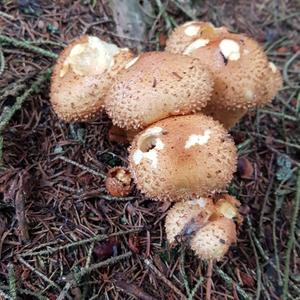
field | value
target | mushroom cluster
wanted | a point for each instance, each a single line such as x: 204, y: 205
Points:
x: 176, y: 106
x: 208, y: 223
x: 243, y: 76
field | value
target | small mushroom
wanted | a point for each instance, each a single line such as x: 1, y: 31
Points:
x: 213, y: 240
x: 156, y: 85
x: 243, y: 76
x: 182, y: 158
x: 84, y: 72
x: 118, y: 182
x: 120, y: 135
x: 208, y: 226
x: 185, y: 218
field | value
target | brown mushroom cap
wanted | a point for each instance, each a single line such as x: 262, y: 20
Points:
x: 82, y: 76
x: 244, y: 78
x: 214, y: 239
x: 208, y: 226
x: 186, y: 217
x: 156, y: 85
x: 189, y: 32
x: 182, y: 158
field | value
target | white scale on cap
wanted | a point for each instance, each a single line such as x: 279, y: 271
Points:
x: 230, y: 49
x: 197, y: 139
x: 151, y: 155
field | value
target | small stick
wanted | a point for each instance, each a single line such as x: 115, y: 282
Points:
x: 31, y: 268
x: 83, y: 167
x: 2, y: 62
x: 27, y: 46
x: 12, y: 281
x: 264, y: 255
x: 132, y: 290
x: 111, y: 198
x: 1, y: 151
x: 258, y: 270
x: 277, y: 141
x: 291, y: 240
x: 87, y: 264
x: 286, y: 68
x: 280, y: 115
x: 20, y: 210
x: 104, y: 263
x: 74, y: 278
x: 5, y: 15
x: 209, y: 280
x: 230, y: 282
x: 161, y: 276
x: 12, y: 91
x: 7, y: 114
x: 182, y: 269
x: 196, y: 287
x: 5, y: 296
x: 25, y: 292
x: 95, y: 238
x: 64, y: 291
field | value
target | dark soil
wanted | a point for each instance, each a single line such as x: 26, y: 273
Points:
x: 61, y: 211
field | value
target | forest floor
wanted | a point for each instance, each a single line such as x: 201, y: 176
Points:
x: 63, y: 237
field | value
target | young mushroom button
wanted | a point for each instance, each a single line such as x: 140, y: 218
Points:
x: 181, y: 158
x: 185, y: 218
x: 84, y: 72
x: 156, y: 85
x: 208, y: 227
x: 243, y: 76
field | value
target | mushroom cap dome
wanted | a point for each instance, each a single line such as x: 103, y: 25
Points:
x: 156, y: 85
x: 243, y: 76
x: 207, y: 223
x: 214, y: 239
x: 182, y: 158
x: 194, y: 31
x: 184, y: 218
x: 82, y: 76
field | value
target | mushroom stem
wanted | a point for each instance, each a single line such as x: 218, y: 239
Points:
x: 228, y: 117
x: 209, y: 280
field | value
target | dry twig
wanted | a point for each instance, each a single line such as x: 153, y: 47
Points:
x: 163, y: 278
x: 27, y: 46
x: 291, y: 240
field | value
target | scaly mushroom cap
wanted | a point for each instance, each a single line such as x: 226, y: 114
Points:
x: 182, y: 158
x: 243, y: 76
x: 188, y: 33
x: 84, y: 72
x: 209, y: 226
x: 214, y: 239
x: 184, y: 218
x: 156, y: 85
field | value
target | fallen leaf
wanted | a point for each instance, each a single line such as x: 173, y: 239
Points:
x: 133, y: 244
x: 117, y: 135
x: 3, y: 222
x: 247, y: 280
x: 296, y: 48
x: 282, y: 49
x: 245, y: 168
x: 162, y: 40
x: 106, y: 249
x: 76, y: 293
x: 131, y: 21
